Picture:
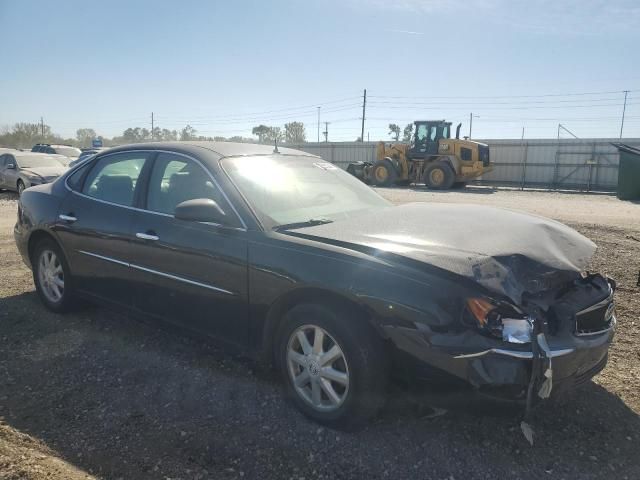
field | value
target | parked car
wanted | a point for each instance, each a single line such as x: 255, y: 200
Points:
x: 20, y: 170
x: 298, y: 263
x: 85, y: 154
x: 67, y: 150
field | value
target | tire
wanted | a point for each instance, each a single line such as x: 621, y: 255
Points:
x: 383, y: 173
x: 50, y: 268
x: 439, y: 176
x: 357, y: 373
x: 20, y: 187
x: 459, y: 185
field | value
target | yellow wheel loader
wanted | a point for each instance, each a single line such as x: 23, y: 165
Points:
x: 432, y: 158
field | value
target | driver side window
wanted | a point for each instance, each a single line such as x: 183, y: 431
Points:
x: 176, y: 179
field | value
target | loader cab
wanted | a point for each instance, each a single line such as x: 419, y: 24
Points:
x: 427, y: 136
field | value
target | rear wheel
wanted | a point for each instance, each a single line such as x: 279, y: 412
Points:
x: 334, y: 368
x: 20, y: 187
x: 439, y: 176
x: 52, y: 277
x: 384, y: 173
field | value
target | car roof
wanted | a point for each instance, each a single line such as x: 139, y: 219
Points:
x: 222, y: 149
x: 20, y: 153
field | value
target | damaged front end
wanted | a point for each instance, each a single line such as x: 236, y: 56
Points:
x: 567, y: 329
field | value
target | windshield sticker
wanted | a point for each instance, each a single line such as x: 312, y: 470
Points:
x: 325, y: 166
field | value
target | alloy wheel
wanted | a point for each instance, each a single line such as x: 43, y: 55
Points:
x: 317, y: 368
x: 51, y: 275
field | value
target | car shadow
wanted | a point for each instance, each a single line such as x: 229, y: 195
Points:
x: 8, y: 195
x: 123, y: 398
x: 471, y: 189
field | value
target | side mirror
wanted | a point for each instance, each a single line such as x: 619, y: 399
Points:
x: 11, y: 166
x: 200, y: 210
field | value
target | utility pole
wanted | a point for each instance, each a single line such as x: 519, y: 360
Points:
x: 152, y: 126
x: 367, y: 136
x: 42, y: 128
x: 624, y: 108
x: 471, y: 117
x: 522, y: 138
x: 318, y: 124
x: 326, y: 131
x: 364, y: 109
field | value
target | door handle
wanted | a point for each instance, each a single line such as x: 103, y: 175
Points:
x: 147, y: 236
x: 67, y: 218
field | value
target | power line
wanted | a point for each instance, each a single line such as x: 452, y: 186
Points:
x: 521, y: 102
x: 203, y: 121
x: 279, y: 110
x: 509, y: 108
x: 510, y: 96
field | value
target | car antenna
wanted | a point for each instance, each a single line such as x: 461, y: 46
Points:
x: 275, y: 149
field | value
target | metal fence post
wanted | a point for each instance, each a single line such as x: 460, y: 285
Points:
x: 524, y: 166
x: 555, y: 168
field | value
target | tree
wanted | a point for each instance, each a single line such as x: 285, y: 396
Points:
x: 85, y: 136
x: 294, y: 132
x: 168, y: 135
x: 273, y: 134
x: 407, y: 133
x: 394, y: 131
x: 260, y: 131
x: 188, y: 133
x: 25, y: 135
x: 240, y: 139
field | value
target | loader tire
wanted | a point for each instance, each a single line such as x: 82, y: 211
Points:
x: 384, y: 173
x: 439, y: 176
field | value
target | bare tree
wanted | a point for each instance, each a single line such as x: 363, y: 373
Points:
x: 294, y: 132
x: 407, y: 132
x: 394, y: 131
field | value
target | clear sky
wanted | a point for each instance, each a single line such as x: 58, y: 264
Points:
x: 226, y: 66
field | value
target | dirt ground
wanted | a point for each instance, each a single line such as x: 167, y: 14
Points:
x: 98, y: 394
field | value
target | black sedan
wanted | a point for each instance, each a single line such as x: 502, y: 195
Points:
x: 292, y: 260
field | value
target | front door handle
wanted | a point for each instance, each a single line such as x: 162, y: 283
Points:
x: 67, y: 218
x: 147, y: 236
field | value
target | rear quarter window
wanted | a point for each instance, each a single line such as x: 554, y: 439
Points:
x: 74, y: 181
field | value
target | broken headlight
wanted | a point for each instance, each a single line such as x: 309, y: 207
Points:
x: 500, y: 320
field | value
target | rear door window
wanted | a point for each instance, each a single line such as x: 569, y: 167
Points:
x: 114, y: 177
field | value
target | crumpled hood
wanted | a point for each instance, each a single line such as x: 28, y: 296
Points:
x: 45, y: 172
x: 508, y: 252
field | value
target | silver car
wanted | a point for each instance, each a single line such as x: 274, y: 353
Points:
x: 20, y: 170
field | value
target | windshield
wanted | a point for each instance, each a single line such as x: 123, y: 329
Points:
x: 286, y: 189
x: 36, y: 161
x: 68, y: 151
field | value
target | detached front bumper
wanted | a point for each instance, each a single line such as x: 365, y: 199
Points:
x: 503, y: 372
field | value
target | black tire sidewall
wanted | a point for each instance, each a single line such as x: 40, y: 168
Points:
x: 67, y: 300
x: 391, y: 173
x: 365, y: 359
x: 20, y: 182
x: 449, y: 176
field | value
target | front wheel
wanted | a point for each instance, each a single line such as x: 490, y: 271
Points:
x: 334, y: 367
x: 52, y: 277
x: 439, y: 176
x: 20, y: 187
x: 384, y: 173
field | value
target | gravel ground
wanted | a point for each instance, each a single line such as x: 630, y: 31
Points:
x: 98, y: 394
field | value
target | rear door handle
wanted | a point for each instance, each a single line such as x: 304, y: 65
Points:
x: 147, y: 236
x: 67, y: 218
